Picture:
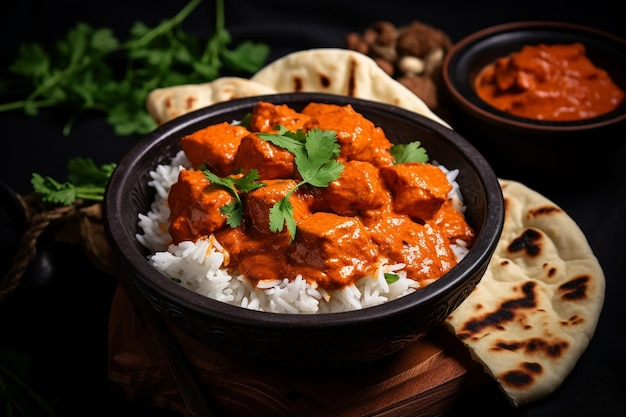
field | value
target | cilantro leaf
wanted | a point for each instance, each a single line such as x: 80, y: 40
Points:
x: 318, y: 166
x: 291, y: 141
x: 409, y: 152
x: 85, y: 181
x: 391, y: 278
x: 247, y: 56
x: 53, y: 191
x: 91, y: 69
x: 315, y: 156
x: 83, y: 171
x: 246, y: 183
x: 281, y: 214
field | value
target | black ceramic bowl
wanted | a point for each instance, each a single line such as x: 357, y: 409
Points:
x: 528, y: 149
x: 321, y: 340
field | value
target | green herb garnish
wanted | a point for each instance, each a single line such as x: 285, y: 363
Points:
x: 315, y: 157
x: 248, y: 182
x: 409, y: 152
x: 91, y: 69
x: 85, y: 181
x: 391, y: 278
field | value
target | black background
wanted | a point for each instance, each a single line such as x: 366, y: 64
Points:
x: 64, y: 326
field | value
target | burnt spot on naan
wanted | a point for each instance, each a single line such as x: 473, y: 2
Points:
x: 543, y: 211
x: 550, y: 270
x: 507, y: 203
x: 352, y: 78
x: 574, y: 320
x: 534, y: 346
x: 297, y: 84
x: 190, y: 103
x: 504, y: 314
x: 529, y: 242
x: 522, y: 377
x: 325, y: 81
x: 575, y: 289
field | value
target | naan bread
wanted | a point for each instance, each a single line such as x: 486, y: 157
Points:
x: 166, y: 103
x: 339, y: 71
x: 535, y: 310
x: 325, y: 70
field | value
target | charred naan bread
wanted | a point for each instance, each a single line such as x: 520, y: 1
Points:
x: 339, y: 71
x: 536, y: 308
x: 326, y: 70
x: 166, y: 103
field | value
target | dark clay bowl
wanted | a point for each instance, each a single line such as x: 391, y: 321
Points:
x: 526, y: 149
x: 336, y: 339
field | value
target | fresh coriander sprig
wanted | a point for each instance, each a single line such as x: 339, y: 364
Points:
x: 91, y: 69
x: 409, y: 152
x: 85, y: 181
x: 316, y: 155
x: 391, y: 278
x: 234, y: 184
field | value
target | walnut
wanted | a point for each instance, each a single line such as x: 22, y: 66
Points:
x: 356, y: 42
x: 418, y: 39
x: 386, y: 33
x: 413, y: 55
x: 386, y: 66
x: 381, y: 37
x: 423, y: 87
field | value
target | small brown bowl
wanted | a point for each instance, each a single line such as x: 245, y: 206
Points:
x: 306, y: 340
x: 527, y: 149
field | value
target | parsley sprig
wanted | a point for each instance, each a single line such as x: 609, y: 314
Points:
x: 409, y: 152
x: 315, y: 155
x: 91, y: 69
x: 85, y: 181
x: 235, y: 185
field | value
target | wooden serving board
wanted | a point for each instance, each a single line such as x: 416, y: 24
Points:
x: 427, y: 378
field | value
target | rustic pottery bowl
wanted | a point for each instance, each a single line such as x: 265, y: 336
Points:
x: 312, y: 340
x: 527, y: 149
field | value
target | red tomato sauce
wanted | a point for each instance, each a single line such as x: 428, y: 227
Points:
x: 549, y: 82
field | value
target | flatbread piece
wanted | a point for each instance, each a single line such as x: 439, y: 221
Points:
x: 166, y: 103
x: 343, y: 72
x: 535, y: 310
x: 324, y: 70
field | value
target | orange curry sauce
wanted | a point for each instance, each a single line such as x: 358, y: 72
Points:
x: 374, y: 209
x: 549, y: 82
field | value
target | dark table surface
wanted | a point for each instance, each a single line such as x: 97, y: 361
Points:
x: 64, y: 325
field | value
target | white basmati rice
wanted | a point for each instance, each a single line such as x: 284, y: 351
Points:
x: 198, y: 265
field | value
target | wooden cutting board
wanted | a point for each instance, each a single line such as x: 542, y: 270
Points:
x: 427, y: 378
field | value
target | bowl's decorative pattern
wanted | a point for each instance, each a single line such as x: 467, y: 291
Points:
x: 319, y: 340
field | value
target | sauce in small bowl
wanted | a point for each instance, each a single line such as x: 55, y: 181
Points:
x: 552, y: 82
x: 538, y: 151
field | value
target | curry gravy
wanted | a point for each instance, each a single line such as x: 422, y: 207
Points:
x: 375, y: 209
x: 549, y: 82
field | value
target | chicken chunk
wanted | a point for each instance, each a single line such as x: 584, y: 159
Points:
x: 333, y: 250
x: 195, y: 206
x: 271, y: 161
x: 215, y: 145
x: 418, y: 189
